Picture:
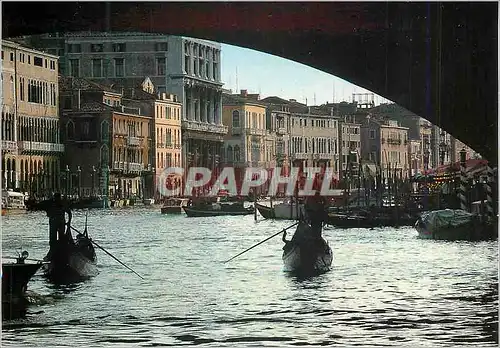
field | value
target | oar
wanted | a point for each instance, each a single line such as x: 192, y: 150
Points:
x: 265, y: 240
x: 107, y: 252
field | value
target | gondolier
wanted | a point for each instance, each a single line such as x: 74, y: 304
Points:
x: 56, y: 210
x: 315, y: 207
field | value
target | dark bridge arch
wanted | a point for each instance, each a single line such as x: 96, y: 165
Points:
x: 437, y: 60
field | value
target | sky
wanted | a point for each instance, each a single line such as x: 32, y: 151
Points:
x: 271, y: 75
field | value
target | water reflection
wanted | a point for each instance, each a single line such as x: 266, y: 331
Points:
x: 386, y: 288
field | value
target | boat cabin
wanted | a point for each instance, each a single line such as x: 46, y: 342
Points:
x: 12, y: 200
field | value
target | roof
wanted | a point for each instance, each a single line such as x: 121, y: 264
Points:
x: 72, y: 83
x: 236, y: 99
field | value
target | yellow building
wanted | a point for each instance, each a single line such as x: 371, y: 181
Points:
x: 394, y: 149
x: 166, y: 134
x: 245, y: 144
x: 31, y: 147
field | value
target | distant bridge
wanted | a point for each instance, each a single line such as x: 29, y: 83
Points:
x: 438, y: 60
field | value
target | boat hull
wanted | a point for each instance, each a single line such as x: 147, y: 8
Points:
x: 304, y: 259
x: 191, y: 212
x: 15, y: 278
x: 265, y: 211
x: 71, y: 262
x: 307, y: 252
x: 453, y: 225
x: 171, y: 210
x: 281, y: 211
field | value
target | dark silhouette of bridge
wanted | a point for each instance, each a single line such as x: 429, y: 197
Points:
x: 438, y: 60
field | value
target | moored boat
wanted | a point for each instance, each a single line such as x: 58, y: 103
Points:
x: 307, y: 252
x: 289, y: 209
x: 218, y: 209
x: 13, y: 202
x: 71, y: 261
x: 15, y: 278
x: 174, y: 205
x: 453, y: 225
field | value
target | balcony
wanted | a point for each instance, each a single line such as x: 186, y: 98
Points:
x: 39, y: 147
x: 135, y: 167
x: 9, y: 145
x: 117, y: 165
x: 133, y: 141
x: 393, y: 141
x: 204, y: 127
x: 281, y: 131
x: 256, y: 131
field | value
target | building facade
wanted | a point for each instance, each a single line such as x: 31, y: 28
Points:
x: 166, y: 133
x: 247, y: 141
x: 107, y: 143
x: 186, y: 67
x: 31, y: 146
x: 386, y: 144
x: 350, y: 143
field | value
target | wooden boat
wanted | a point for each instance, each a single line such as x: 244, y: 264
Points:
x: 174, y: 205
x: 15, y: 278
x: 71, y: 261
x: 218, y: 209
x: 306, y: 253
x: 148, y: 201
x: 13, y: 202
x: 286, y: 210
x: 452, y: 225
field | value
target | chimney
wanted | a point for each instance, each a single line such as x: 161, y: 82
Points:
x: 244, y: 92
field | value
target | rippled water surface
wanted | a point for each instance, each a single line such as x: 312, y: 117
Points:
x: 386, y: 288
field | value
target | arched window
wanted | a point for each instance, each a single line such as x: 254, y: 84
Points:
x: 236, y: 119
x: 105, y: 131
x: 230, y: 154
x: 70, y: 130
x: 104, y: 155
x: 236, y: 153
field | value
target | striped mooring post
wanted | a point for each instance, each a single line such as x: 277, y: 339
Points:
x: 490, y: 211
x: 462, y: 192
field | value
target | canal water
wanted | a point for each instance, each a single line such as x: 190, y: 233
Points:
x: 386, y: 288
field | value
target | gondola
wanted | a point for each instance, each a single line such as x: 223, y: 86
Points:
x: 197, y: 212
x: 71, y: 260
x: 15, y: 278
x: 206, y: 209
x: 306, y: 253
x: 265, y: 211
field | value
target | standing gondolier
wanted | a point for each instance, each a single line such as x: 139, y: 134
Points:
x: 56, y: 210
x: 315, y: 207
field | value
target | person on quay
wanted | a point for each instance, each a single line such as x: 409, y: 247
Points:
x: 56, y: 211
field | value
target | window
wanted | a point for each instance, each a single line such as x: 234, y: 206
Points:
x: 74, y: 48
x: 74, y: 67
x: 119, y: 69
x: 11, y: 56
x: 2, y: 55
x: 52, y: 65
x: 160, y: 66
x: 372, y: 134
x: 119, y: 47
x: 38, y: 61
x: 97, y: 67
x: 96, y: 47
x: 236, y: 153
x: 161, y: 46
x: 187, y: 64
x: 21, y: 89
x: 236, y: 119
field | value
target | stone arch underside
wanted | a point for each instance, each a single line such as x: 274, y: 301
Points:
x: 437, y: 60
